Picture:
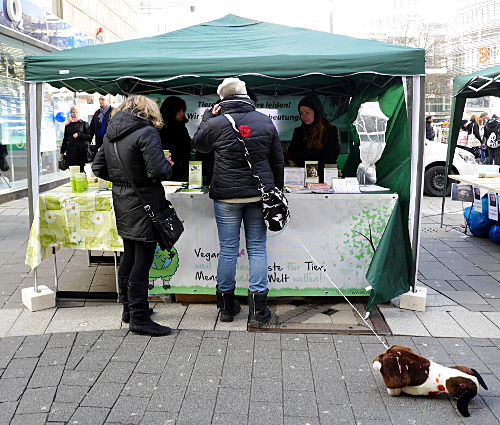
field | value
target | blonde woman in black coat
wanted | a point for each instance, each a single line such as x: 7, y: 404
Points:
x: 76, y: 140
x: 133, y: 128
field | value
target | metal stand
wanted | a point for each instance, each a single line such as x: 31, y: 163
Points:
x: 56, y: 279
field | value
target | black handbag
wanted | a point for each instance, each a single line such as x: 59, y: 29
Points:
x: 90, y: 153
x: 167, y: 226
x: 63, y: 165
x: 275, y: 204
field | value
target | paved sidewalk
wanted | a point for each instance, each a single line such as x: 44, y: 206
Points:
x: 209, y: 372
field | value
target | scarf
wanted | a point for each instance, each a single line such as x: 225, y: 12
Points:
x: 102, y: 119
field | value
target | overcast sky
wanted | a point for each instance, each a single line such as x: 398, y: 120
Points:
x: 349, y: 17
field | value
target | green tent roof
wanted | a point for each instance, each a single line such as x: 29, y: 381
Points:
x: 478, y: 84
x: 263, y: 53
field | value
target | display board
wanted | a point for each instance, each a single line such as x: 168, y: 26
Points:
x: 342, y: 232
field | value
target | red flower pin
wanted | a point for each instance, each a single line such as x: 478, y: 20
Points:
x: 244, y: 130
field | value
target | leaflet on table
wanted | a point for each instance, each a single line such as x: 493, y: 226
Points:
x: 347, y: 185
x: 492, y: 206
x: 478, y: 204
x: 373, y: 188
x: 195, y: 175
x: 294, y: 176
x: 330, y: 172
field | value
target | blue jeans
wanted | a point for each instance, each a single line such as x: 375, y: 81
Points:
x: 228, y: 217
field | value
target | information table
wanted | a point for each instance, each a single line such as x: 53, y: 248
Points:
x: 341, y: 231
x: 491, y: 184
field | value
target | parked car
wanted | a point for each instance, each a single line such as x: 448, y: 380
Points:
x: 434, y: 166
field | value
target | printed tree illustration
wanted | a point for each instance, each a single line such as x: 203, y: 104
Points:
x: 361, y: 240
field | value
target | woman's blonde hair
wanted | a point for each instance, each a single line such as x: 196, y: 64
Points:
x: 143, y: 107
x: 473, y: 118
x: 74, y: 108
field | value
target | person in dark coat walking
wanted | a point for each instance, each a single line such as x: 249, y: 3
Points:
x: 472, y: 127
x: 133, y: 128
x: 236, y: 195
x: 316, y: 139
x: 175, y: 137
x: 75, y: 140
x: 99, y: 122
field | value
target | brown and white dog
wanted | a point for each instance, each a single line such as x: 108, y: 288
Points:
x: 405, y: 371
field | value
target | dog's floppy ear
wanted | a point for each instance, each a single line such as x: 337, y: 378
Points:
x: 479, y: 378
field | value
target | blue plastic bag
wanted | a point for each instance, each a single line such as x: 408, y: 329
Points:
x: 494, y: 234
x: 479, y: 223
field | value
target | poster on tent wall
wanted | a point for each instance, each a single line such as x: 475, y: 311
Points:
x: 341, y: 231
x: 283, y: 111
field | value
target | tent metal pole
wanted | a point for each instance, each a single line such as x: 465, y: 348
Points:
x: 33, y: 103
x: 417, y: 169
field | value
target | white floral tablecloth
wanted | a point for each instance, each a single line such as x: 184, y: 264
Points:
x: 73, y: 220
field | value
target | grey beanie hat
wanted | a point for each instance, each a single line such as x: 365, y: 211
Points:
x: 230, y: 87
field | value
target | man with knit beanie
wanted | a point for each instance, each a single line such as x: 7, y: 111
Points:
x: 236, y: 195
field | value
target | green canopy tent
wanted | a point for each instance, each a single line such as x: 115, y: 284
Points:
x: 478, y: 84
x: 273, y: 60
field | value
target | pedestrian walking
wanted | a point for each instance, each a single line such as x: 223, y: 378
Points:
x: 492, y: 141
x: 133, y: 132
x: 473, y: 128
x: 236, y: 194
x: 75, y: 141
x: 99, y: 122
x: 429, y: 129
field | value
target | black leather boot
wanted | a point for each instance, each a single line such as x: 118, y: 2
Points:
x: 123, y: 298
x: 227, y: 304
x: 258, y: 311
x: 140, y: 322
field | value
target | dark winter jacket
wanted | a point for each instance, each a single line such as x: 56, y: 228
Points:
x: 429, y: 131
x: 473, y: 127
x: 95, y: 127
x: 76, y: 148
x: 140, y: 150
x: 232, y: 177
x: 175, y: 138
x: 491, y: 126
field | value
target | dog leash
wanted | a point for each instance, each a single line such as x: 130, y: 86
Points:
x: 338, y: 289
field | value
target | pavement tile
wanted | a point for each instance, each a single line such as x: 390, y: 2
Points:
x: 102, y: 395
x: 301, y: 420
x: 213, y: 347
x: 233, y: 400
x: 464, y: 297
x: 7, y: 410
x: 208, y: 365
x: 265, y: 413
x: 118, y: 372
x: 95, y: 361
x: 495, y: 318
x: 441, y: 324
x: 266, y: 368
x: 298, y: 380
x: 89, y: 416
x: 267, y: 390
x: 403, y: 322
x: 7, y: 319
x: 140, y: 385
x: 167, y: 398
x: 238, y: 356
x: 38, y: 400
x: 240, y: 322
x: 293, y: 342
x: 229, y: 419
x: 178, y: 374
x: 190, y: 338
x: 46, y: 376
x: 11, y: 389
x: 159, y: 418
x: 477, y: 324
x: 62, y: 412
x: 79, y: 377
x: 86, y: 318
x: 128, y: 410
x: 199, y: 317
x: 20, y: 368
x: 493, y: 404
x: 32, y: 323
x: 71, y: 393
x: 30, y: 419
x: 239, y: 377
x: 160, y: 345
x: 54, y: 356
x: 377, y: 409
x: 151, y: 363
x: 300, y: 403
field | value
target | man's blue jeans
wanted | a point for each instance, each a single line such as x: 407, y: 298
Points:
x: 228, y: 217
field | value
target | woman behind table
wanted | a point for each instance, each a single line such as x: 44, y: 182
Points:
x: 175, y: 137
x: 472, y: 127
x: 76, y: 139
x: 236, y: 195
x: 134, y: 129
x: 316, y: 139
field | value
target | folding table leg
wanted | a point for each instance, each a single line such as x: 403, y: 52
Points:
x: 56, y: 279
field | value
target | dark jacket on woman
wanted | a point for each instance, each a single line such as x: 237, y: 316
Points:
x: 232, y: 177
x: 97, y: 127
x: 175, y: 138
x: 473, y: 127
x: 139, y: 146
x: 76, y: 148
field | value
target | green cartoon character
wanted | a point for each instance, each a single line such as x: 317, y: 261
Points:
x: 165, y: 264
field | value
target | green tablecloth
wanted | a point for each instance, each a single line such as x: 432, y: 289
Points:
x: 73, y: 220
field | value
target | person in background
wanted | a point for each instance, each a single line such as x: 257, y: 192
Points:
x: 76, y: 139
x: 472, y: 127
x: 316, y: 139
x: 99, y: 122
x: 429, y: 129
x: 4, y: 165
x: 483, y: 119
x: 492, y: 155
x: 133, y: 129
x: 175, y: 137
x: 236, y: 194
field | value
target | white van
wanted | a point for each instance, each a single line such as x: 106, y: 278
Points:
x: 435, y: 162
